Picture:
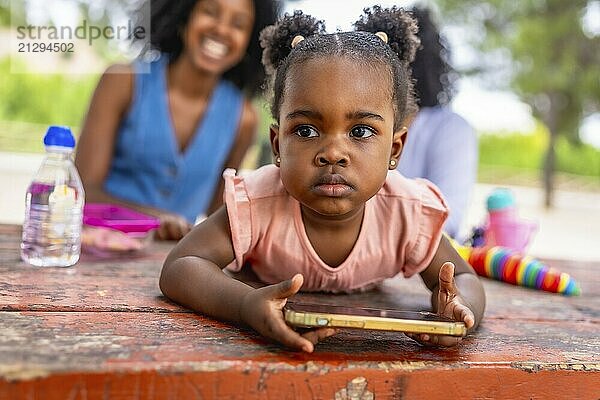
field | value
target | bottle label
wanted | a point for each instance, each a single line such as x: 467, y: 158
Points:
x: 62, y: 203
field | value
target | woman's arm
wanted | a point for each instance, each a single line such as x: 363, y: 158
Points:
x: 108, y: 106
x: 110, y: 102
x: 244, y: 139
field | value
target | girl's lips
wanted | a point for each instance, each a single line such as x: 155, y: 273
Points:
x: 333, y: 190
x: 333, y: 185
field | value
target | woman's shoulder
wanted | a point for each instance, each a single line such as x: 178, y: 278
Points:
x: 127, y: 71
x: 119, y: 74
x: 115, y: 86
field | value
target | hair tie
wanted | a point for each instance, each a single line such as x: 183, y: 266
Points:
x: 381, y: 35
x: 297, y: 39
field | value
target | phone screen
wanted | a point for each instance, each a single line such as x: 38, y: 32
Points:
x: 365, y: 312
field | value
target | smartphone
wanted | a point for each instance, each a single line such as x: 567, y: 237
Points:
x: 308, y: 315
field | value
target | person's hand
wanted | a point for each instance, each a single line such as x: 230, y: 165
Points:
x: 450, y: 304
x: 172, y: 227
x: 102, y: 239
x: 262, y: 310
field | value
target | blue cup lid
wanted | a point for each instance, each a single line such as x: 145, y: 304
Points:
x: 59, y: 136
x: 499, y: 199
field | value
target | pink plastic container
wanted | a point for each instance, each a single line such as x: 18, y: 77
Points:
x: 118, y: 217
x: 504, y: 229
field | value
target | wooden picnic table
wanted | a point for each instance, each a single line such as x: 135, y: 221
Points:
x: 102, y: 329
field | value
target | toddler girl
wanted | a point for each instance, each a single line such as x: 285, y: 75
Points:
x: 331, y: 214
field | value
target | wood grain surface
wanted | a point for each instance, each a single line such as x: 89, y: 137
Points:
x: 102, y: 329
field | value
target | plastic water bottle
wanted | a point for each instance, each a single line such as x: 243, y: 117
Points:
x: 54, y: 205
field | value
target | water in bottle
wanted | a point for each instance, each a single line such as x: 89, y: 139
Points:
x: 54, y: 204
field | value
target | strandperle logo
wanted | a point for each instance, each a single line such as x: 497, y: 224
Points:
x: 78, y: 36
x: 85, y: 31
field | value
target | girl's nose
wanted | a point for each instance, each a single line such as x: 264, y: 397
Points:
x: 332, y: 154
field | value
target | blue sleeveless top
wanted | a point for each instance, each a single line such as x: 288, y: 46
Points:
x: 147, y: 166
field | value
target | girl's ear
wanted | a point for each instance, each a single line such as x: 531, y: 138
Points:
x: 397, y: 145
x: 274, y: 135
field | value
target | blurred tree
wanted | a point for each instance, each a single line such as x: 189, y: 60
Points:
x: 18, y: 10
x: 554, y: 58
x: 4, y: 13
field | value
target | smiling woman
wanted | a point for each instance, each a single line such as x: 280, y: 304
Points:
x: 159, y: 141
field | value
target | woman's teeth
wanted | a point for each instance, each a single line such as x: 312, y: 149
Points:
x: 213, y: 48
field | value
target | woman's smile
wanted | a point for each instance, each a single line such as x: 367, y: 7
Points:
x: 214, y: 48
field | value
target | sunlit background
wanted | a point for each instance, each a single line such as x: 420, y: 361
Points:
x: 520, y: 62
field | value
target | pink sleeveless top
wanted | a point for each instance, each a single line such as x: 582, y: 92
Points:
x: 400, y: 233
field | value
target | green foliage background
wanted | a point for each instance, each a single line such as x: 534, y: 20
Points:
x: 526, y: 152
x: 44, y: 99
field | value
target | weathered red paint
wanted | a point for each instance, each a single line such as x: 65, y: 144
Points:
x: 103, y: 330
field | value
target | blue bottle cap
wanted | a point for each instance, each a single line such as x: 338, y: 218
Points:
x: 499, y: 199
x: 59, y: 136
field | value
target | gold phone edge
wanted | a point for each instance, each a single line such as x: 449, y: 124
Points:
x: 309, y: 320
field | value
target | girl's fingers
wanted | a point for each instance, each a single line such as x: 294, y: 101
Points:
x: 464, y: 314
x: 447, y: 291
x: 288, y: 288
x: 446, y: 278
x: 316, y: 335
x: 434, y: 340
x: 444, y: 341
x: 282, y: 333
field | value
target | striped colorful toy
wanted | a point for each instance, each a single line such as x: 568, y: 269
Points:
x: 506, y: 265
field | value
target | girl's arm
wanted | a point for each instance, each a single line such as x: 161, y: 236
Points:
x: 456, y: 291
x: 244, y: 139
x: 192, y: 276
x: 110, y: 102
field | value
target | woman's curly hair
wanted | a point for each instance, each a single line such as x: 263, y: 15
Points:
x: 168, y: 18
x: 433, y: 75
x: 361, y: 45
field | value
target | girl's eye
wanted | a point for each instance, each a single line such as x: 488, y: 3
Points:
x: 306, y: 131
x: 362, y: 132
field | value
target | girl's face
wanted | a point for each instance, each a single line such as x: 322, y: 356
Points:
x: 217, y: 33
x: 335, y: 135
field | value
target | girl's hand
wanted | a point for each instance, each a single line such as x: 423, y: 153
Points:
x: 172, y: 227
x: 262, y: 310
x: 450, y: 304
